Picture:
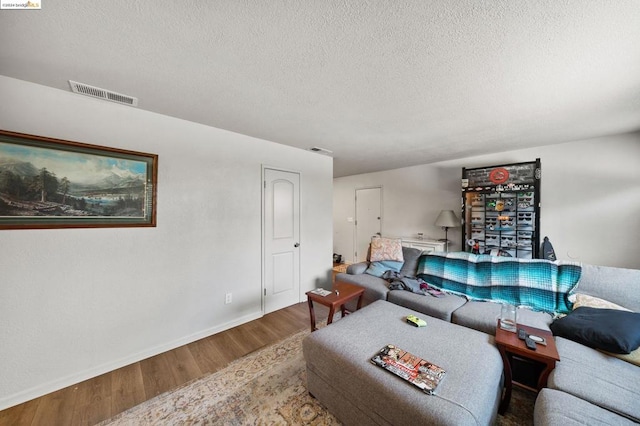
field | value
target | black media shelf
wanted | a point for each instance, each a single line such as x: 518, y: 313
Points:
x: 501, y: 209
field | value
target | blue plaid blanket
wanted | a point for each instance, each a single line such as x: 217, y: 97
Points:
x: 539, y: 284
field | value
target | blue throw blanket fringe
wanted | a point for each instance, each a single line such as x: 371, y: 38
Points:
x: 539, y: 284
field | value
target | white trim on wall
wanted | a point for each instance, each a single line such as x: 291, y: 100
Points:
x: 79, y: 376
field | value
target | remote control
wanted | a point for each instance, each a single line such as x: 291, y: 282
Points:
x: 530, y: 343
x: 522, y: 334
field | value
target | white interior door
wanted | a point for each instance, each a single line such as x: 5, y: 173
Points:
x: 281, y: 214
x: 368, y: 219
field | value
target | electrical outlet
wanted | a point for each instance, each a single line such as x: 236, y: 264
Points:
x: 227, y: 298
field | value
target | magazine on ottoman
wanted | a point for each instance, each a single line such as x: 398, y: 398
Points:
x: 412, y: 368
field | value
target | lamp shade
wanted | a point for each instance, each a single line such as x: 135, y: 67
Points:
x: 448, y: 219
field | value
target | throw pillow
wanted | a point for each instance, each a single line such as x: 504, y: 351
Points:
x: 610, y: 330
x: 633, y: 357
x: 595, y: 302
x: 386, y: 249
x: 377, y: 269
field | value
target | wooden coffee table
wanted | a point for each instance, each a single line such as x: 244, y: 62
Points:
x: 509, y: 345
x: 341, y: 293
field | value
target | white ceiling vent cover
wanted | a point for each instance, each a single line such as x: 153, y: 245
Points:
x: 107, y: 95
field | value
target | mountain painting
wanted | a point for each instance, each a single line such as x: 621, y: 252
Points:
x: 48, y: 183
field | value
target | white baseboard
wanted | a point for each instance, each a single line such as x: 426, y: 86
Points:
x: 63, y: 382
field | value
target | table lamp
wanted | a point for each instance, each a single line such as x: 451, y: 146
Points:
x: 447, y: 219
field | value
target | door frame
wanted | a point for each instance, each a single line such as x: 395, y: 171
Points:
x: 263, y: 288
x: 355, y: 209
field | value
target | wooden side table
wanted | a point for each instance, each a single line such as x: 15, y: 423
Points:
x: 509, y: 345
x: 340, y: 267
x: 345, y: 293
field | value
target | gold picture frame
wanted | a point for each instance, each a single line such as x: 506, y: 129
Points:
x: 54, y: 183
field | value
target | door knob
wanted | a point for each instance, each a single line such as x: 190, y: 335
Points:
x: 296, y: 245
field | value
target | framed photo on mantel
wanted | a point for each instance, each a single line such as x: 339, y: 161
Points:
x: 53, y: 183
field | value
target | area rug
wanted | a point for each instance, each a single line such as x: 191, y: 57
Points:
x: 267, y: 387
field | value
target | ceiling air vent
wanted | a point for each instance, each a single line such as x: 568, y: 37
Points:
x: 108, y: 95
x: 321, y: 151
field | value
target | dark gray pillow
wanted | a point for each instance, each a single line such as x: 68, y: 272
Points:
x: 411, y: 256
x: 608, y: 329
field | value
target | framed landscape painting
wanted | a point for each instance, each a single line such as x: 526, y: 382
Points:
x: 52, y: 183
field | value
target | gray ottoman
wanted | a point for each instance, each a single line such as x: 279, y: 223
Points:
x: 558, y: 408
x: 357, y: 392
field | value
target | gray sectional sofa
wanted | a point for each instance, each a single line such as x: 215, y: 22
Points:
x: 587, y: 386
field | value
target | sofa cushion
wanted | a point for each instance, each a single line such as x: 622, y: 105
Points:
x: 597, y: 378
x: 483, y: 316
x: 559, y: 408
x: 611, y: 330
x: 386, y: 249
x: 437, y: 307
x: 612, y: 284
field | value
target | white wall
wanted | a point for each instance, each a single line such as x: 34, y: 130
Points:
x: 590, y: 199
x: 75, y: 303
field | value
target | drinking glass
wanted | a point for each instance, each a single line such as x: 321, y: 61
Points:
x: 508, y: 317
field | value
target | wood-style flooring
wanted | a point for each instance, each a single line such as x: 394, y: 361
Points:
x: 102, y: 397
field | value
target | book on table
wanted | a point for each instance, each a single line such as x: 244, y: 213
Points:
x: 321, y: 292
x: 415, y: 370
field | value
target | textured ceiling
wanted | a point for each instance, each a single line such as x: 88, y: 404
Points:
x: 382, y: 84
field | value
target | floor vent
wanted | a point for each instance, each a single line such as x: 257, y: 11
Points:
x: 321, y: 150
x: 108, y: 95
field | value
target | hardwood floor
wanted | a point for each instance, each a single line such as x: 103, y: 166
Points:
x: 102, y: 397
